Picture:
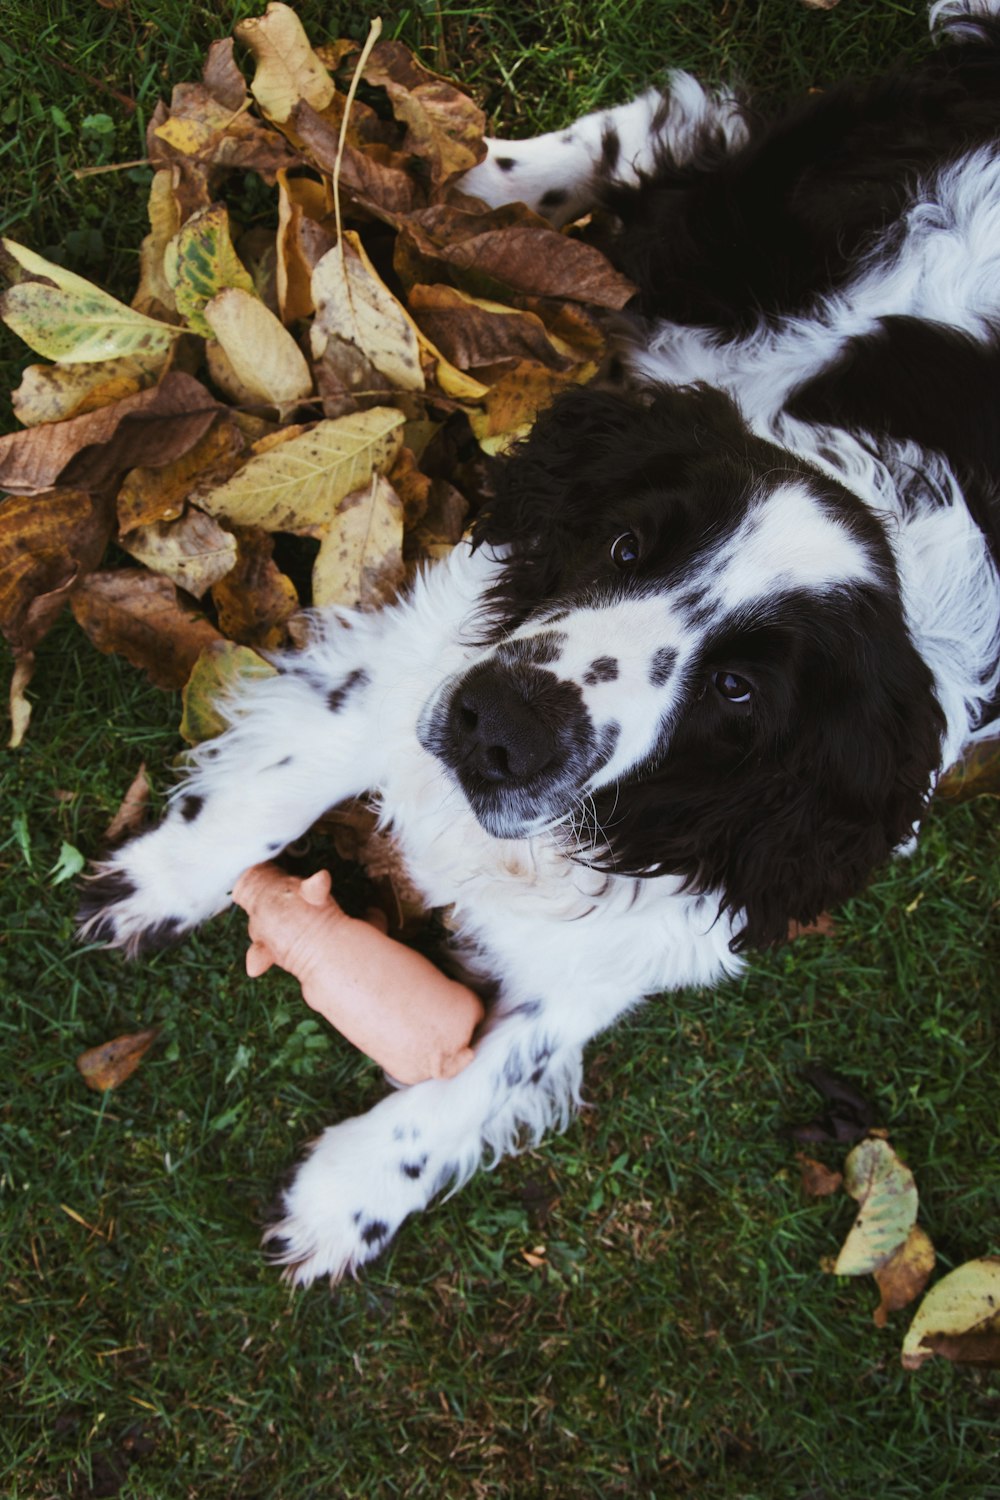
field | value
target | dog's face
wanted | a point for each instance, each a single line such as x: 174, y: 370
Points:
x: 697, y: 662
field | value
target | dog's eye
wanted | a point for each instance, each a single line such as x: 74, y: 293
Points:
x: 625, y: 550
x: 733, y: 688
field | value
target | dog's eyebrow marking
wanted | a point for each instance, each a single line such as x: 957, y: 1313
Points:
x: 601, y: 669
x: 696, y: 607
x: 338, y: 696
x: 662, y: 665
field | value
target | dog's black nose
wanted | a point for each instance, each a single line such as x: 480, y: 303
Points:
x: 496, y: 728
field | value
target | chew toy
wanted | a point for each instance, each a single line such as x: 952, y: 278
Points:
x: 387, y: 1000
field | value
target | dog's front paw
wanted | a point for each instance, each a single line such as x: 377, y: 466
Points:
x: 348, y: 1198
x: 147, y: 894
x: 114, y: 911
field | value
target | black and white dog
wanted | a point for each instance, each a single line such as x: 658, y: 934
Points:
x: 700, y: 666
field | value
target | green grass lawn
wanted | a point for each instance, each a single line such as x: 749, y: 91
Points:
x: 635, y: 1309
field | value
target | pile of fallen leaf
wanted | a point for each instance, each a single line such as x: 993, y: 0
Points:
x: 959, y: 1318
x: 291, y: 413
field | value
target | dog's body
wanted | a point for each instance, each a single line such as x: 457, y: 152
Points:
x: 700, y: 670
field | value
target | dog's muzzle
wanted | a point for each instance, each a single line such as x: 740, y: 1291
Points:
x: 518, y: 739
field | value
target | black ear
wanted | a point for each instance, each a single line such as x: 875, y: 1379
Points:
x: 591, y: 449
x: 849, y: 789
x: 593, y: 444
x: 788, y: 829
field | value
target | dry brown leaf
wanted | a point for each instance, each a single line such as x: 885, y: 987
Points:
x: 108, y: 1066
x: 131, y: 812
x: 904, y: 1275
x: 201, y: 136
x: 194, y: 551
x: 150, y: 495
x: 48, y: 543
x: 444, y: 127
x: 255, y: 600
x: 506, y: 250
x: 88, y: 452
x: 479, y: 335
x: 222, y: 77
x: 360, y: 559
x: 301, y: 243
x: 818, y: 1181
x: 824, y: 926
x: 977, y: 774
x: 261, y: 351
x: 139, y: 616
x: 375, y: 177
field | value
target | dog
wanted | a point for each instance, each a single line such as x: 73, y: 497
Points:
x: 696, y: 672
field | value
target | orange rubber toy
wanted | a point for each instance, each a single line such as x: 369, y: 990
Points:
x: 387, y: 1000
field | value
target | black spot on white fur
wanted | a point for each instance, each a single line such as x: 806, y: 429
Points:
x: 341, y: 694
x: 601, y: 669
x: 661, y: 668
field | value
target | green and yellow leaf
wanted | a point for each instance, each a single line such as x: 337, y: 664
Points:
x: 299, y: 484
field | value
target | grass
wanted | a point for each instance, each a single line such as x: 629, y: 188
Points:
x: 633, y: 1310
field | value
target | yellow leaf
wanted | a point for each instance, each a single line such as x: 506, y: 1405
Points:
x: 287, y: 67
x: 262, y: 353
x: 512, y: 405
x: 220, y: 668
x: 20, y: 708
x: 200, y: 262
x: 154, y: 293
x: 354, y: 304
x: 74, y: 321
x: 360, y: 559
x: 194, y: 552
x: 158, y: 494
x: 887, y: 1198
x: 960, y: 1316
x: 299, y: 484
x: 50, y: 393
x: 35, y: 265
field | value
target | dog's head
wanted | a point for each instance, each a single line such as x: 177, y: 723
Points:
x: 697, y: 662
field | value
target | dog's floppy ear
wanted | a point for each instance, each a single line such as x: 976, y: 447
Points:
x: 591, y: 449
x: 786, y: 830
x: 592, y: 445
x: 847, y: 790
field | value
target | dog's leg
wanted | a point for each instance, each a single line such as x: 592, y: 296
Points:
x: 556, y: 174
x: 299, y: 742
x: 363, y: 1177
